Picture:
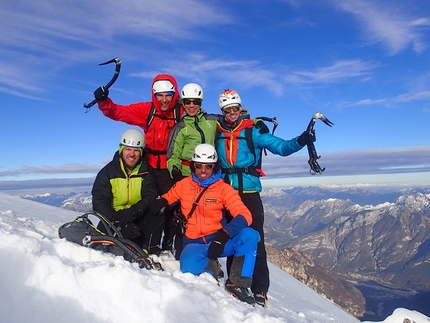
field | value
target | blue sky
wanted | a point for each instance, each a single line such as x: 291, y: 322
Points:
x: 364, y: 64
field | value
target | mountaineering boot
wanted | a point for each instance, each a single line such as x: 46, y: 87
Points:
x: 167, y: 245
x: 215, y: 268
x: 220, y: 275
x: 261, y: 299
x: 241, y: 293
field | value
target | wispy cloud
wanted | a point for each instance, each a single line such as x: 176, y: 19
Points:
x: 387, y: 24
x: 249, y: 72
x: 42, y: 36
x: 85, y: 22
x: 354, y: 162
x: 51, y: 170
x: 53, y: 183
x: 407, y: 97
x: 54, y: 35
x: 413, y: 97
x: 339, y: 71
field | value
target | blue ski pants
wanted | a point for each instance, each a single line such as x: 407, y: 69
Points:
x: 194, y: 257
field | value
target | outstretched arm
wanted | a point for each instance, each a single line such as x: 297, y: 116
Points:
x: 135, y: 114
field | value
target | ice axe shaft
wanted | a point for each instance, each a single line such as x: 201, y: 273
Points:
x: 117, y: 62
x: 313, y: 155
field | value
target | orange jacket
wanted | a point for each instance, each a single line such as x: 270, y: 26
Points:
x: 208, y: 217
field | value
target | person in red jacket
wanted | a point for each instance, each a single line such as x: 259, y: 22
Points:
x: 204, y: 199
x: 156, y: 118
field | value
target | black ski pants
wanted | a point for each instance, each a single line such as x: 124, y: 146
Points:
x: 260, y: 279
x: 163, y: 181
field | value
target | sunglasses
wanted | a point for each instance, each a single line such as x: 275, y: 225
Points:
x: 207, y: 166
x: 229, y: 109
x: 188, y: 101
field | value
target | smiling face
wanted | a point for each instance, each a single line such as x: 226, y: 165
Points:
x: 231, y: 114
x: 203, y: 170
x: 131, y: 157
x: 164, y: 98
x: 191, y: 106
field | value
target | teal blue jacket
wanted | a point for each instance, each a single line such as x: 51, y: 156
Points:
x: 235, y: 154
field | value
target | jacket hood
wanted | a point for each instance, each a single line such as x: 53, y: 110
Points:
x: 165, y: 77
x: 244, y: 121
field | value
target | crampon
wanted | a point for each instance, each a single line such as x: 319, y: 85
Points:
x: 132, y: 250
x: 83, y: 232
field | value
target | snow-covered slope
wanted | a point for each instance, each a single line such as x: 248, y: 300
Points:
x: 49, y: 280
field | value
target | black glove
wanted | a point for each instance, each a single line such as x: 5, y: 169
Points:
x: 123, y: 217
x: 302, y: 139
x: 130, y: 231
x: 263, y: 128
x: 176, y: 173
x: 158, y: 206
x: 101, y: 93
x: 217, y: 245
x: 140, y: 208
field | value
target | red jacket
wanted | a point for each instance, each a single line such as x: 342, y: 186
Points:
x: 137, y: 114
x: 208, y: 217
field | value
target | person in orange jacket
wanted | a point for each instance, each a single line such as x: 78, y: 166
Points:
x: 204, y: 197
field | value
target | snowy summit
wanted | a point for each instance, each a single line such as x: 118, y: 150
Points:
x: 50, y: 280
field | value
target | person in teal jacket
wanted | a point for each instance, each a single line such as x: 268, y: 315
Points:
x: 196, y: 127
x: 239, y: 142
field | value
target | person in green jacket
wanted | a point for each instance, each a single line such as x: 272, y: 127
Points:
x: 196, y: 127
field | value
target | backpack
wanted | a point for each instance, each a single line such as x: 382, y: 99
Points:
x: 82, y: 231
x: 259, y: 124
x: 152, y: 114
x: 254, y: 170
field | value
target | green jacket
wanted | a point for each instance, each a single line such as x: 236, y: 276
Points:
x: 186, y: 135
x: 115, y: 190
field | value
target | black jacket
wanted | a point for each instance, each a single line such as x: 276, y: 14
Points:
x: 115, y: 190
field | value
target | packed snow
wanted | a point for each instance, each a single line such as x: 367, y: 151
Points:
x: 50, y: 280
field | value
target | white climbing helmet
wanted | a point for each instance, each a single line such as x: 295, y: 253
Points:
x: 163, y: 86
x: 229, y: 98
x: 192, y: 91
x: 132, y: 138
x: 204, y: 153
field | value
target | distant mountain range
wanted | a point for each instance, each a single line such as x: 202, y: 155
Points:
x: 379, y: 242
x: 388, y: 243
x: 80, y: 202
x: 360, y: 236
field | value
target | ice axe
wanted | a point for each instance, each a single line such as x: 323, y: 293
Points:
x: 310, y: 138
x: 117, y: 62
